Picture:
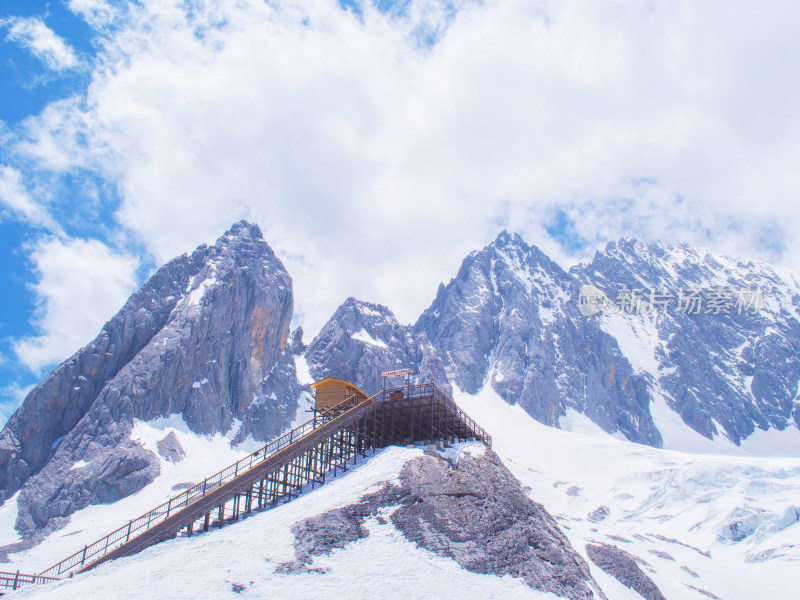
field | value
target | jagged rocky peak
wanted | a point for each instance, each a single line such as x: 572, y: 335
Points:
x: 522, y: 258
x: 506, y: 284
x: 713, y: 361
x: 632, y: 261
x: 508, y: 265
x: 356, y: 315
x: 205, y: 337
x: 509, y: 320
x: 627, y: 260
x: 359, y: 341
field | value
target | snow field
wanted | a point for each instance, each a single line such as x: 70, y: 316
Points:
x: 669, y: 508
x: 383, y: 565
x: 717, y: 522
x: 205, y: 455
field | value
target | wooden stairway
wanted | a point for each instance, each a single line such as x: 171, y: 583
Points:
x: 278, y: 471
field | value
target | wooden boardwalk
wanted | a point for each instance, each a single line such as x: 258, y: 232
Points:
x: 278, y: 471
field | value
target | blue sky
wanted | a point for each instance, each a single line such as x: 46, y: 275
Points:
x: 26, y: 83
x: 132, y: 132
x: 26, y: 87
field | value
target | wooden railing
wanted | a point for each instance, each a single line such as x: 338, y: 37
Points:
x: 137, y: 526
x: 13, y: 581
x: 93, y: 552
x: 431, y: 389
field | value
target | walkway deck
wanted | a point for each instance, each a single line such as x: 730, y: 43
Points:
x: 278, y: 471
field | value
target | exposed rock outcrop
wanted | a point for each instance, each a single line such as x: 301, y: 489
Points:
x: 170, y: 449
x: 622, y: 566
x: 205, y: 337
x: 476, y: 514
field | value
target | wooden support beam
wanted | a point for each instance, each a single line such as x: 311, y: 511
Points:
x: 422, y: 413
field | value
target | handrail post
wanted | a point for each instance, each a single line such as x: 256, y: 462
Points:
x: 16, y: 580
x: 350, y: 409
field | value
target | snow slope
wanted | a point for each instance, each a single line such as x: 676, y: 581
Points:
x: 205, y: 455
x: 383, y: 565
x: 704, y: 525
x: 676, y: 511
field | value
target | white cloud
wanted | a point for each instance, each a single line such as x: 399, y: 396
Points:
x: 43, y: 43
x: 374, y: 163
x: 16, y: 199
x: 12, y: 396
x: 58, y: 139
x: 82, y: 283
x: 94, y: 12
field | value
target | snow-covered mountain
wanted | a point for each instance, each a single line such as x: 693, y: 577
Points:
x: 199, y: 365
x: 205, y: 338
x: 509, y: 318
x: 728, y: 370
x: 725, y: 366
x: 665, y: 523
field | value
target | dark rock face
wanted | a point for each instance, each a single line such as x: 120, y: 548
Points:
x: 622, y: 566
x: 476, y: 514
x: 170, y: 448
x: 322, y: 534
x: 508, y: 319
x: 740, y: 370
x: 479, y: 516
x: 205, y: 337
x: 511, y: 319
x: 359, y: 342
x: 599, y: 514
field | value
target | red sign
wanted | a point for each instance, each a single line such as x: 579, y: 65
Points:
x: 396, y: 373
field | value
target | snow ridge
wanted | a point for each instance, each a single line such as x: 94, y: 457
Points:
x: 510, y: 319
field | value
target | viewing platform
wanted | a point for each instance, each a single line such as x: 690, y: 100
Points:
x: 346, y: 423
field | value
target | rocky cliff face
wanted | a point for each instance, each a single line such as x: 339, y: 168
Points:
x: 205, y: 337
x: 717, y: 362
x: 476, y: 514
x: 508, y: 319
x: 511, y: 319
x: 359, y: 342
